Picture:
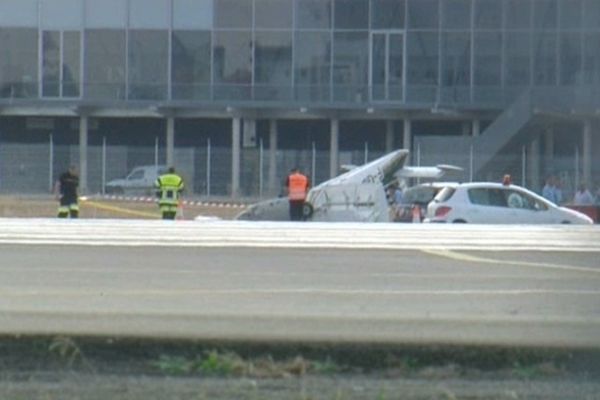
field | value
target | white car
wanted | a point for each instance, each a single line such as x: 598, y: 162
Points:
x: 495, y: 203
x: 140, y: 181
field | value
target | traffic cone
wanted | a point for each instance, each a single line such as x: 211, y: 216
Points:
x: 416, y: 214
x: 180, y: 214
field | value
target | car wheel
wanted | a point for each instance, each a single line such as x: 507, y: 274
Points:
x: 307, y: 210
x: 459, y: 221
x: 566, y: 222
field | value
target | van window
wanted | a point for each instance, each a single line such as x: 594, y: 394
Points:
x: 139, y: 174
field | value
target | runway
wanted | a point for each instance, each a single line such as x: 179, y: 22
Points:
x: 244, y: 281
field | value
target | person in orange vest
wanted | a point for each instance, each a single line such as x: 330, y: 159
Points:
x: 297, y: 185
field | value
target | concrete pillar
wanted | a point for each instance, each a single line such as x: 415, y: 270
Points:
x: 170, y: 141
x: 273, y: 184
x: 334, y: 148
x: 407, y: 138
x: 476, y: 128
x: 533, y: 164
x: 236, y: 134
x: 83, y: 150
x: 389, y: 136
x: 587, y: 153
x: 549, y: 151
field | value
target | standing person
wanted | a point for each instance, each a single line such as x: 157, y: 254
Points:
x: 297, y: 185
x: 583, y: 197
x: 558, y: 193
x: 549, y: 190
x: 168, y: 190
x: 65, y: 191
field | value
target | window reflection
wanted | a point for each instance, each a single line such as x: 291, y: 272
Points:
x: 273, y: 65
x: 518, y: 47
x: 148, y: 52
x: 71, y: 64
x: 488, y: 14
x: 544, y: 61
x: 275, y: 14
x: 312, y: 65
x: 456, y: 14
x: 191, y: 64
x: 18, y: 73
x: 456, y: 67
x: 422, y: 66
x: 351, y: 66
x: 423, y: 14
x: 233, y: 64
x: 105, y: 64
x: 545, y: 14
x: 313, y: 14
x: 50, y: 63
x: 518, y: 14
x: 570, y: 58
x: 351, y: 14
x: 233, y: 13
x: 388, y: 14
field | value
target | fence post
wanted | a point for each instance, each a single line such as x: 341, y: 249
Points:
x: 156, y: 152
x: 366, y: 152
x: 208, y: 148
x: 576, y: 182
x: 51, y: 162
x: 260, y: 169
x: 523, y: 166
x: 313, y: 165
x: 418, y: 159
x: 103, y: 165
x: 471, y: 163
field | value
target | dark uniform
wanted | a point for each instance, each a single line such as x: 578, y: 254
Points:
x: 297, y: 186
x: 67, y: 191
x: 168, y: 190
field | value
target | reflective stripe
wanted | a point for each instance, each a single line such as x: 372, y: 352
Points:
x: 298, y: 186
x: 74, y: 207
x: 170, y: 187
x: 63, y: 209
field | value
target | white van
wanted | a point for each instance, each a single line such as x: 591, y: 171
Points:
x: 140, y: 181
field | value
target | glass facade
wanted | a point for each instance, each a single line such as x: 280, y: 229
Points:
x: 413, y: 52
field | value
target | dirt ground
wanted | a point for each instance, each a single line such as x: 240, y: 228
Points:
x: 96, y: 207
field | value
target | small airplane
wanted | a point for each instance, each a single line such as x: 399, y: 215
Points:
x: 357, y: 195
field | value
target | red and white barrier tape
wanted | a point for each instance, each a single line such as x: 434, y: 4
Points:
x: 184, y: 202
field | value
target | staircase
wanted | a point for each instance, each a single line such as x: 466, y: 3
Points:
x: 501, y: 132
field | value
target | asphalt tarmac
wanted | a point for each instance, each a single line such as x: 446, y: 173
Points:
x: 526, y: 286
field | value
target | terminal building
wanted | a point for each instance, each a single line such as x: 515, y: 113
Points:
x: 234, y: 93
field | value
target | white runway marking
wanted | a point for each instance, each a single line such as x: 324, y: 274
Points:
x: 483, y: 260
x: 333, y: 292
x: 128, y: 233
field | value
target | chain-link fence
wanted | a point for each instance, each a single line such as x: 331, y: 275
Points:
x: 32, y: 168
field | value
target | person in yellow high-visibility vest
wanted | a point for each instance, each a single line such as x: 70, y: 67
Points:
x: 168, y: 190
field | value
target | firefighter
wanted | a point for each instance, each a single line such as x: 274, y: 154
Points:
x: 168, y: 190
x: 65, y: 191
x: 297, y: 185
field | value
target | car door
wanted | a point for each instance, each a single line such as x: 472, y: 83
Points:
x: 540, y: 211
x: 526, y: 209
